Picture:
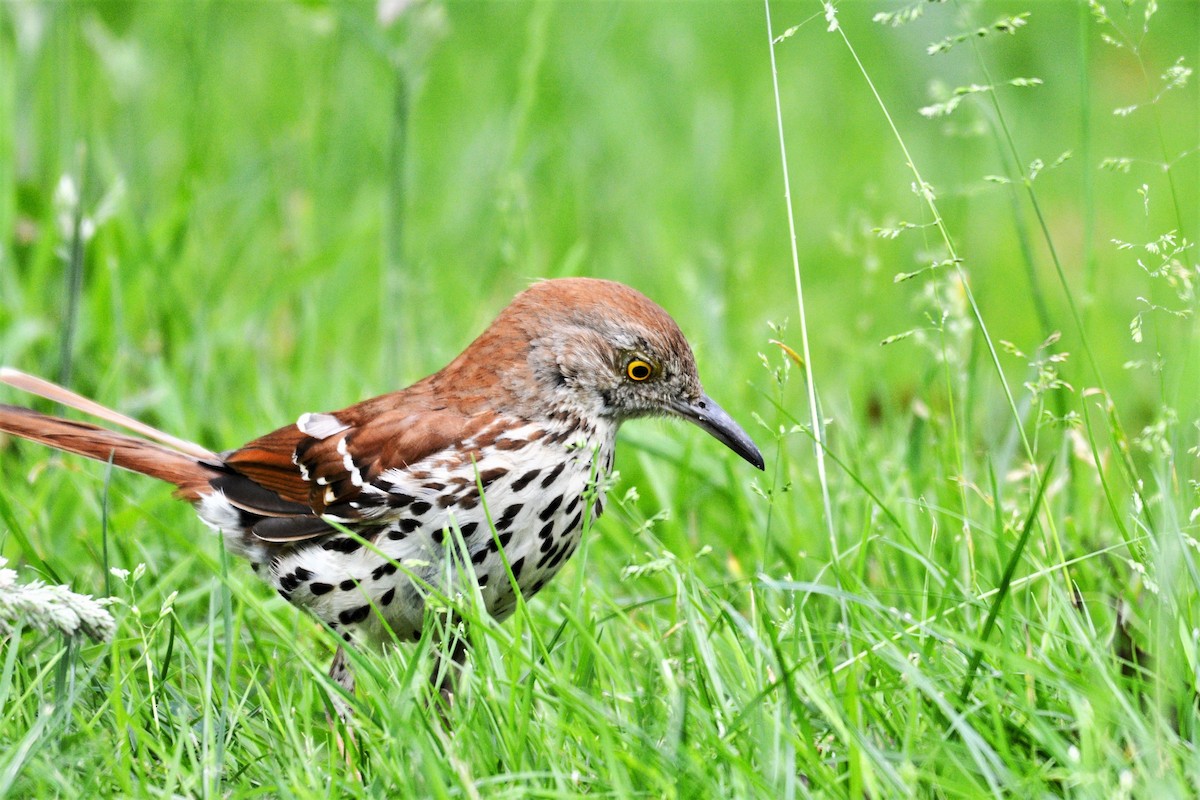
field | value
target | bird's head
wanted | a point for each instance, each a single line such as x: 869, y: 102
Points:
x: 601, y: 349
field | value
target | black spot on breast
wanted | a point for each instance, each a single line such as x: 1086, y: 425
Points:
x: 549, y: 510
x: 505, y: 538
x: 547, y: 543
x: 563, y: 552
x: 574, y: 524
x: 288, y: 582
x: 483, y: 579
x: 598, y: 508
x: 348, y: 585
x: 302, y: 574
x: 571, y: 506
x: 468, y: 530
x: 387, y: 568
x: 386, y: 598
x: 489, y: 476
x: 320, y: 588
x: 553, y: 476
x: 438, y: 535
x: 285, y: 594
x: 510, y: 514
x: 341, y: 544
x: 421, y: 507
x: 479, y: 556
x: 523, y: 481
x: 353, y: 615
x: 399, y: 500
x: 408, y: 525
x: 547, y: 530
x: 517, y: 566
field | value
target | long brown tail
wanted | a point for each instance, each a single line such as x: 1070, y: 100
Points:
x: 185, y: 469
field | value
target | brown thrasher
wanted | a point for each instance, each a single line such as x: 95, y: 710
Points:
x: 528, y: 414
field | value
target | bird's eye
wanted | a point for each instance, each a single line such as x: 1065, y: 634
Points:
x: 638, y: 370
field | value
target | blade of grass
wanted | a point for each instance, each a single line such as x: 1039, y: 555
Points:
x: 818, y: 430
x: 1005, y: 586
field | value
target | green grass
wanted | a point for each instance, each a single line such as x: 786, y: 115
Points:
x: 296, y: 207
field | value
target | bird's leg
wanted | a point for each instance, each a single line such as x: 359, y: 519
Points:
x: 342, y: 674
x: 447, y: 667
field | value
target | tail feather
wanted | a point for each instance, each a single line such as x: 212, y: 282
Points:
x: 52, y: 391
x: 188, y: 472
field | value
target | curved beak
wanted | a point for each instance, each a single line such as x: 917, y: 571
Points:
x: 712, y: 418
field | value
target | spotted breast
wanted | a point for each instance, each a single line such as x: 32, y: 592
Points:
x: 424, y: 528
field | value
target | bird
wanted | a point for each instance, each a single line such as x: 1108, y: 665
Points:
x: 483, y: 471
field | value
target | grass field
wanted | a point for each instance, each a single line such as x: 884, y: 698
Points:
x: 984, y: 583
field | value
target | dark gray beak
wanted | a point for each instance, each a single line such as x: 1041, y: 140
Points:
x: 712, y: 418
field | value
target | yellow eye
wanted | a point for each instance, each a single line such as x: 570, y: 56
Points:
x: 638, y: 370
